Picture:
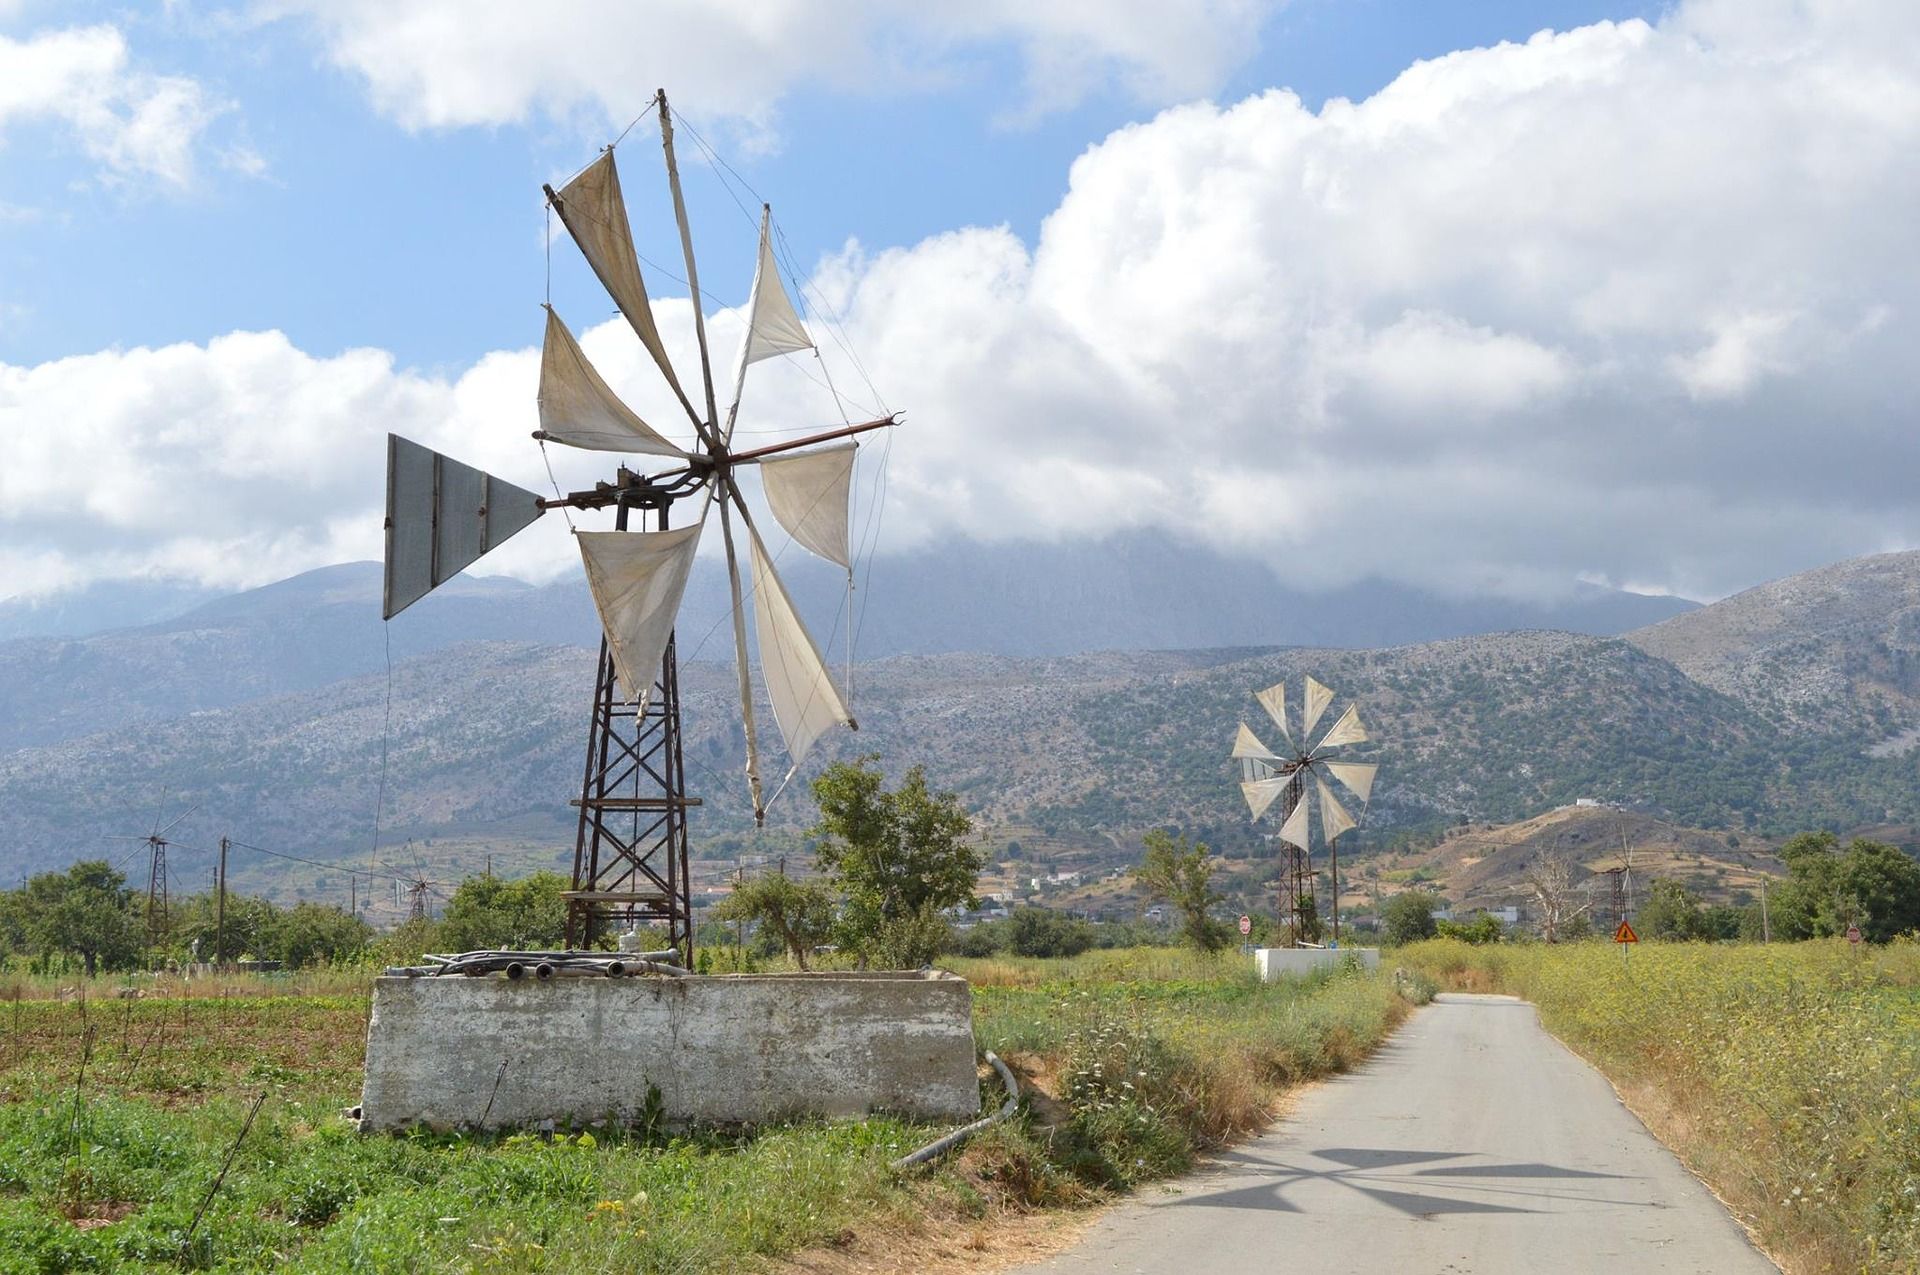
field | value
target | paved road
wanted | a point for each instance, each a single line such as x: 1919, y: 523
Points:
x: 1473, y: 1142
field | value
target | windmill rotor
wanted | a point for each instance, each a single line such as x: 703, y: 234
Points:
x: 1305, y: 776
x: 442, y: 516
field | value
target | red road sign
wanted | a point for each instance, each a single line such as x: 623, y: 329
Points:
x: 1246, y: 925
x: 1625, y: 934
x: 1853, y: 934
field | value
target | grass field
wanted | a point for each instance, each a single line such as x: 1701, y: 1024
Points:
x: 117, y: 1114
x: 1787, y: 1075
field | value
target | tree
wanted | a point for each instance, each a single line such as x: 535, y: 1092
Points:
x: 1042, y: 932
x: 1483, y: 929
x: 196, y: 920
x: 1552, y: 884
x: 489, y: 912
x: 86, y: 910
x: 1408, y: 916
x: 1871, y: 884
x: 1671, y: 912
x: 798, y: 913
x: 898, y: 857
x: 1180, y: 874
x: 316, y: 933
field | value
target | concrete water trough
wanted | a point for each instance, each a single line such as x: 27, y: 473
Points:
x: 1291, y: 962
x: 494, y: 1053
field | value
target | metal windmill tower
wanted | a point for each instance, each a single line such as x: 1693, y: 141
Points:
x: 630, y: 851
x: 1297, y: 778
x: 158, y: 913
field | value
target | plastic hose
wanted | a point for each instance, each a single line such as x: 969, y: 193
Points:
x: 941, y: 1146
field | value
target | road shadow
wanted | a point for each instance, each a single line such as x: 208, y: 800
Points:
x: 1395, y: 1178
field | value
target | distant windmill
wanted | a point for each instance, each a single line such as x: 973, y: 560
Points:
x: 1297, y: 776
x: 159, y: 921
x: 630, y: 852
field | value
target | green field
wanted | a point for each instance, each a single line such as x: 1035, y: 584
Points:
x: 116, y: 1115
x: 1788, y: 1076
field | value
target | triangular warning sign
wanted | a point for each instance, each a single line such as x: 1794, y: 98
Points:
x: 1625, y: 934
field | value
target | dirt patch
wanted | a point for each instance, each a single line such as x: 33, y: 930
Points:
x: 947, y: 1246
x: 98, y: 1213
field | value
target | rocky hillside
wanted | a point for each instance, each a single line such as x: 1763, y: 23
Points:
x: 1083, y: 749
x: 1834, y: 650
x: 1486, y: 865
x: 272, y: 712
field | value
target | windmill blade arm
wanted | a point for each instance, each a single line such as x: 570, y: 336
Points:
x: 740, y: 655
x: 176, y: 822
x: 693, y: 269
x: 594, y: 212
x: 1317, y: 699
x: 810, y: 494
x: 1356, y: 775
x: 806, y: 700
x: 1274, y: 700
x: 637, y: 579
x: 1347, y: 730
x: 773, y: 326
x: 579, y: 409
x: 1247, y: 746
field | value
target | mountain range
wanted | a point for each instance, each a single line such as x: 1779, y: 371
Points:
x: 1784, y: 707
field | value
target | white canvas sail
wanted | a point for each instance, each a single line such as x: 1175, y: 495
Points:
x: 806, y: 703
x: 637, y: 578
x: 595, y: 214
x: 1294, y: 830
x: 1357, y: 776
x: 1261, y: 793
x: 1334, y: 818
x: 1247, y: 745
x: 773, y: 327
x: 1347, y: 730
x: 809, y: 492
x: 577, y: 407
x: 1318, y: 697
x: 1274, y: 700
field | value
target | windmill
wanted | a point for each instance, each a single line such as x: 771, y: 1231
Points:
x: 630, y: 851
x: 159, y: 921
x: 1298, y: 777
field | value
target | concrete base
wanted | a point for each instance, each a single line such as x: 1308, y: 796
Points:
x: 745, y: 1048
x: 1283, y: 962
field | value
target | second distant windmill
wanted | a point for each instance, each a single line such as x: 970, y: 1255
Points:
x: 1296, y: 775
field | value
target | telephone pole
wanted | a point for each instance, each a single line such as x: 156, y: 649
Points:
x: 220, y: 909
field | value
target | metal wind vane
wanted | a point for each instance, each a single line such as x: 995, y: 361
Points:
x: 630, y: 853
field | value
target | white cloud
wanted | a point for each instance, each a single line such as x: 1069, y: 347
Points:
x: 1630, y: 303
x: 135, y: 124
x: 446, y: 63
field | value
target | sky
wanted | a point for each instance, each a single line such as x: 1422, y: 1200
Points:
x: 1477, y: 295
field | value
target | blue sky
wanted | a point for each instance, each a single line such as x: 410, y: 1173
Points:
x: 426, y: 243
x: 1513, y: 295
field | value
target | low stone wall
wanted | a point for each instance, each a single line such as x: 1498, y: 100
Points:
x: 1283, y: 962
x: 736, y: 1048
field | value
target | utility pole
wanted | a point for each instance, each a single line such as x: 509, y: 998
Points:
x: 740, y: 926
x: 1766, y: 922
x: 1333, y: 867
x: 220, y: 910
